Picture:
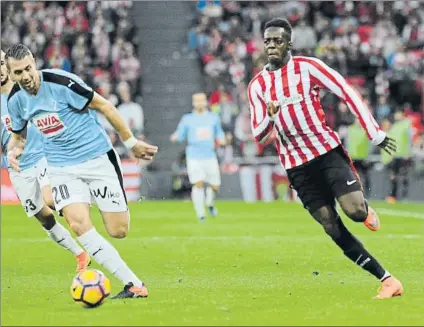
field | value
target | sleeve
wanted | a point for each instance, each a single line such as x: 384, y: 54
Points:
x: 262, y: 126
x: 76, y: 92
x: 17, y: 121
x: 181, y: 131
x: 219, y: 132
x: 324, y: 76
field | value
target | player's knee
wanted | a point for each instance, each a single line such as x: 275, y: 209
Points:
x: 120, y: 231
x: 117, y: 223
x: 46, y: 218
x: 78, y: 218
x: 357, y: 212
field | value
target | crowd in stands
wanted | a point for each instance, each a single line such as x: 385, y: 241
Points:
x: 96, y: 40
x: 377, y: 46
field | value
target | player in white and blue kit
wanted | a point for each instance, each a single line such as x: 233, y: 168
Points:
x: 82, y: 163
x: 203, y: 131
x: 32, y: 183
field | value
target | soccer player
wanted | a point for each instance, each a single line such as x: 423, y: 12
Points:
x: 399, y: 165
x: 82, y: 162
x: 32, y: 183
x: 285, y: 96
x: 202, y: 130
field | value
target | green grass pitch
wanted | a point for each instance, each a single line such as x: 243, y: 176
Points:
x: 252, y: 265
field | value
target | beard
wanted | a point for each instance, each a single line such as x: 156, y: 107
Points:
x: 275, y: 61
x: 5, y: 80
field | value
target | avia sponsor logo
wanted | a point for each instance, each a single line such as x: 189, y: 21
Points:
x: 104, y: 193
x: 49, y: 124
x: 7, y: 122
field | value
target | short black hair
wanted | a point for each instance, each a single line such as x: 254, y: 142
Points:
x: 18, y: 51
x: 280, y: 22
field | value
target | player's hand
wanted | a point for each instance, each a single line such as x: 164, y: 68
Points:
x: 221, y: 142
x: 12, y: 158
x: 273, y: 108
x: 173, y: 138
x: 143, y: 150
x: 388, y: 145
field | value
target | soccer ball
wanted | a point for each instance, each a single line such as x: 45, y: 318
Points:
x: 90, y: 288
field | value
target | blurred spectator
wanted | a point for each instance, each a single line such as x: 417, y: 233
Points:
x: 127, y: 68
x: 132, y: 112
x: 418, y: 152
x: 35, y: 40
x: 227, y: 110
x: 383, y: 110
x: 304, y: 36
x: 77, y: 36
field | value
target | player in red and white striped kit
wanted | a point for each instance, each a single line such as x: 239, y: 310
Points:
x: 285, y: 96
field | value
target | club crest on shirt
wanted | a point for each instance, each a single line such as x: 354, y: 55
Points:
x: 49, y: 124
x: 203, y: 133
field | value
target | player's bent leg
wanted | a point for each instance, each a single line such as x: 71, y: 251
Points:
x: 105, y: 254
x: 328, y: 217
x: 213, y: 178
x: 356, y: 207
x: 28, y: 187
x: 198, y: 198
x: 117, y: 223
x: 78, y: 217
x: 63, y: 237
x: 211, y: 192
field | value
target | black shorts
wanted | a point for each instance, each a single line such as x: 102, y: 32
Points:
x: 320, y: 181
x: 399, y: 166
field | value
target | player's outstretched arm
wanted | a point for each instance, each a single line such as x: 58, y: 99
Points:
x: 220, y: 139
x: 261, y: 114
x: 15, y: 148
x: 140, y: 149
x: 181, y: 132
x: 324, y: 76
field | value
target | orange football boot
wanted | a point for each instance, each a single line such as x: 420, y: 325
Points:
x: 372, y: 222
x: 83, y: 261
x: 390, y: 287
x: 132, y: 291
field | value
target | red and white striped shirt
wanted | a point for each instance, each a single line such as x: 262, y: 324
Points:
x: 302, y: 133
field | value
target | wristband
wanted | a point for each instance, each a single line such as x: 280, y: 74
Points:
x: 379, y: 138
x: 130, y: 143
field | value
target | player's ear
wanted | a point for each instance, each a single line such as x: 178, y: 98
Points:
x: 290, y: 45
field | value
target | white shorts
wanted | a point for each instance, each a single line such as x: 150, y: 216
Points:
x: 204, y: 170
x: 99, y: 179
x: 28, y: 184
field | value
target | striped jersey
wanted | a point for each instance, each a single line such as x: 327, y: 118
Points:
x: 302, y: 132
